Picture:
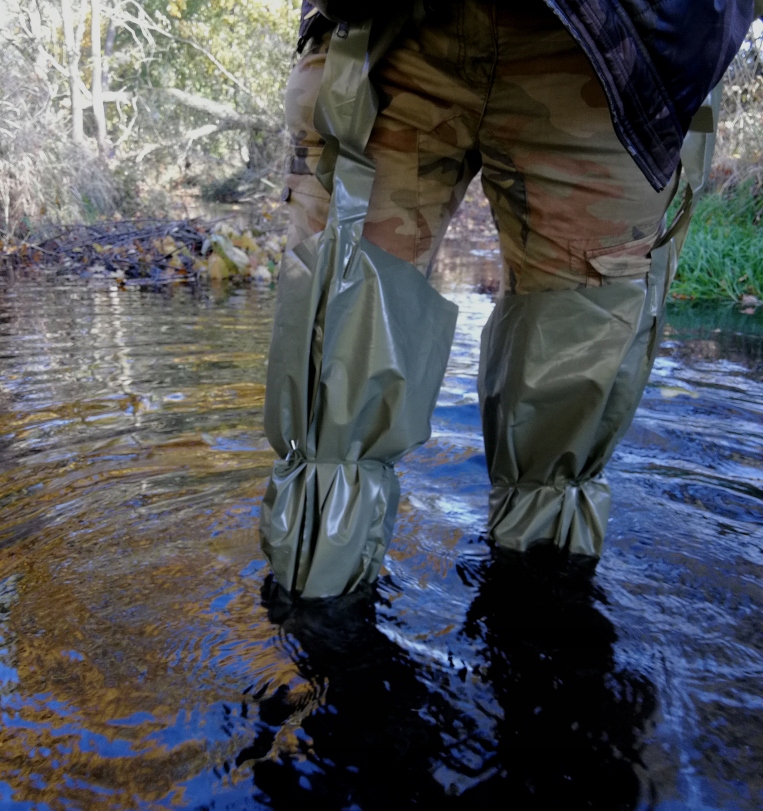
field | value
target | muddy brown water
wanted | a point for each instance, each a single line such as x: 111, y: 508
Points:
x: 146, y: 664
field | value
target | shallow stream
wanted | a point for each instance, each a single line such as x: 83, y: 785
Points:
x: 146, y: 664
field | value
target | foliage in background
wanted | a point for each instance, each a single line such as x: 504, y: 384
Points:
x: 723, y: 254
x: 42, y: 174
x: 190, y: 96
x: 124, y: 107
x: 739, y: 151
x: 210, y: 100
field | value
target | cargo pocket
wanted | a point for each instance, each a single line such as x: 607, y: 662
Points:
x: 300, y: 176
x: 307, y: 201
x: 630, y: 260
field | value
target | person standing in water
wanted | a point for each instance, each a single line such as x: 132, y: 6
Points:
x: 576, y: 113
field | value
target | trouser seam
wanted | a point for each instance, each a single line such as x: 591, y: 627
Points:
x: 491, y: 80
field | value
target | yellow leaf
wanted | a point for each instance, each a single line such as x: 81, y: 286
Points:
x: 234, y: 257
x: 168, y: 245
x: 217, y: 267
x: 245, y: 242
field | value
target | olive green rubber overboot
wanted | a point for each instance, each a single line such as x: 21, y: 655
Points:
x: 561, y: 375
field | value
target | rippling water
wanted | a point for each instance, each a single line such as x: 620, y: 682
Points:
x: 146, y: 662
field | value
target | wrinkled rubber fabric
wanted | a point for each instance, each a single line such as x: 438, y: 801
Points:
x: 561, y: 376
x: 359, y: 350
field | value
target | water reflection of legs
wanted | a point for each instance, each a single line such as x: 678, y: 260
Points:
x: 390, y: 732
x: 573, y: 722
x: 370, y: 743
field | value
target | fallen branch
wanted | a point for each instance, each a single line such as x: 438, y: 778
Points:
x: 227, y: 117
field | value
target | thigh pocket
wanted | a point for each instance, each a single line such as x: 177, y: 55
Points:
x: 303, y: 160
x: 629, y: 260
x: 300, y: 179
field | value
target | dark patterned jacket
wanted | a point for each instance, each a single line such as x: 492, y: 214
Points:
x: 657, y: 61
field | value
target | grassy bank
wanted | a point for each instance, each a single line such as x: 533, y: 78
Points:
x: 723, y: 255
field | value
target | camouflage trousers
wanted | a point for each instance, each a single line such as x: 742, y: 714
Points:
x: 568, y: 349
x: 490, y: 87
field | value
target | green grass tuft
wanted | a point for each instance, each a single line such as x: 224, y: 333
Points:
x: 723, y: 254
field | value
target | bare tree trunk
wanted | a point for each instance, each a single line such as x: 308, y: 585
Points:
x: 108, y: 52
x: 35, y: 26
x: 97, y: 87
x: 72, y: 60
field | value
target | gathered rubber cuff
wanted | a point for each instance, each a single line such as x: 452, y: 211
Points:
x: 326, y: 526
x: 571, y: 517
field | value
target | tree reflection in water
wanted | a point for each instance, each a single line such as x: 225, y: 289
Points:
x: 565, y: 729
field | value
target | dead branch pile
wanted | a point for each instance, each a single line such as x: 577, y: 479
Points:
x: 152, y: 249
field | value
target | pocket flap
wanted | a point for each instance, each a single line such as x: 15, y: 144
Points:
x: 629, y: 259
